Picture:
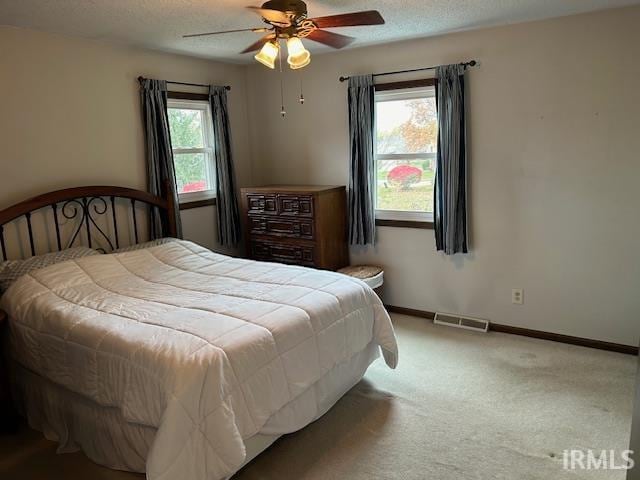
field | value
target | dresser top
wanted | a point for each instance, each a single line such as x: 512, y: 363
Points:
x: 294, y: 188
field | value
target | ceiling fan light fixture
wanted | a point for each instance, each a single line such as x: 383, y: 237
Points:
x: 268, y: 54
x: 299, y: 56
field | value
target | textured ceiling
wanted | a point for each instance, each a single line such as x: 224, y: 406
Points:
x: 159, y: 24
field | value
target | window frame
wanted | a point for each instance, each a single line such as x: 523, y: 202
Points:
x: 401, y: 218
x: 188, y: 100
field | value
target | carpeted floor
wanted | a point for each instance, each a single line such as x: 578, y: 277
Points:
x: 461, y: 405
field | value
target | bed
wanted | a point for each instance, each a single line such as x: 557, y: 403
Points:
x: 173, y: 359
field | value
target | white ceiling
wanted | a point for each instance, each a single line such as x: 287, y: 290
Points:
x: 160, y: 24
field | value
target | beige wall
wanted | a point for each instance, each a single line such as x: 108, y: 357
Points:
x: 554, y: 140
x: 71, y: 115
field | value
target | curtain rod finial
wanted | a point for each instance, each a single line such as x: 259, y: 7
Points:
x: 344, y: 79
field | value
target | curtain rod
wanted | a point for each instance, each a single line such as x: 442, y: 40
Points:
x: 140, y: 79
x: 471, y: 63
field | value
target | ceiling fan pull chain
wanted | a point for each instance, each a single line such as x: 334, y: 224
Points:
x: 283, y: 112
x: 301, y: 100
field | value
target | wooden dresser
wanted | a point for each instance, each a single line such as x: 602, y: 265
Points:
x: 300, y: 225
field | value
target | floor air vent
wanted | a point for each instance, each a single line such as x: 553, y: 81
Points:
x: 467, y: 323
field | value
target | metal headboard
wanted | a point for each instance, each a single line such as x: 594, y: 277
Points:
x: 84, y: 205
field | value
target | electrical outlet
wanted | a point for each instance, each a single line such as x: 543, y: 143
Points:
x: 517, y: 296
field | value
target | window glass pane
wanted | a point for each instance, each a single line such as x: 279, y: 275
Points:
x: 406, y: 126
x: 405, y: 185
x: 191, y: 172
x: 186, y: 128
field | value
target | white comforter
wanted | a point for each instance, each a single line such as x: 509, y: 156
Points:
x: 202, y: 346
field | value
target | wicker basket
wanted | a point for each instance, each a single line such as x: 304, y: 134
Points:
x: 370, y: 274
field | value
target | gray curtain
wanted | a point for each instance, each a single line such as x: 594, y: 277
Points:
x: 229, y: 227
x: 450, y: 198
x: 362, y: 225
x: 160, y: 168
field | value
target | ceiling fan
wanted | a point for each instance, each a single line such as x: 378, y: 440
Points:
x: 287, y: 20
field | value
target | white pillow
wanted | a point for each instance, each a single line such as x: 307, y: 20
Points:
x: 12, y: 270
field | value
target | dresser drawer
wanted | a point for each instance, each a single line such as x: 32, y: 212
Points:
x: 295, y: 205
x: 262, y: 204
x: 281, y: 227
x: 282, y: 252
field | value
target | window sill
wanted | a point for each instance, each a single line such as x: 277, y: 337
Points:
x: 404, y: 224
x: 189, y: 204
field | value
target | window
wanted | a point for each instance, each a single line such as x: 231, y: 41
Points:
x: 405, y: 150
x: 191, y: 130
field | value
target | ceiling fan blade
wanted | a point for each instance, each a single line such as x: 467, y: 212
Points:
x: 369, y: 17
x: 258, y: 45
x: 334, y: 40
x: 257, y: 30
x: 274, y: 16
